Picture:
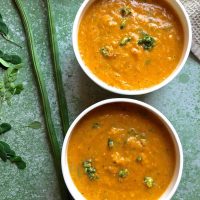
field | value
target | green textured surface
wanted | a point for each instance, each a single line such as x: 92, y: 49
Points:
x: 179, y: 101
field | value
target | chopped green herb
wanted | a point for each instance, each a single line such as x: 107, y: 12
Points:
x: 149, y: 182
x: 123, y: 24
x: 125, y: 11
x: 4, y: 127
x: 96, y: 125
x: 132, y: 131
x: 110, y: 143
x: 147, y: 42
x: 106, y: 51
x: 147, y: 62
x: 123, y: 173
x: 89, y: 169
x: 139, y: 159
x: 125, y: 40
x: 7, y: 154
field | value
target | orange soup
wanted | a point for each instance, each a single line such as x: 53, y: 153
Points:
x: 121, y: 152
x: 131, y: 44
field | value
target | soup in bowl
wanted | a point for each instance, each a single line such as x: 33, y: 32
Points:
x: 122, y: 149
x: 131, y: 46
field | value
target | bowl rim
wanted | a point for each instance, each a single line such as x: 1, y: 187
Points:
x: 179, y: 151
x: 104, y: 85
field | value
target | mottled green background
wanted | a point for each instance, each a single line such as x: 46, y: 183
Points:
x: 179, y: 101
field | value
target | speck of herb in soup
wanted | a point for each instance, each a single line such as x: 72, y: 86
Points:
x: 123, y: 24
x: 89, y: 169
x: 125, y: 11
x: 123, y: 173
x: 139, y: 159
x: 95, y: 125
x: 147, y: 42
x: 125, y: 40
x: 106, y: 51
x: 148, y: 181
x: 110, y: 143
x: 132, y: 131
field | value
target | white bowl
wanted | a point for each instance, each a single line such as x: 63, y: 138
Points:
x: 178, y: 148
x: 181, y: 12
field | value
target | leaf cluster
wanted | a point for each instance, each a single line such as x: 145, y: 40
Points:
x: 8, y: 87
x: 6, y: 153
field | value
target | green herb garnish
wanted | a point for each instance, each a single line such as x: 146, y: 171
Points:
x: 149, y: 182
x: 4, y: 127
x: 89, y: 169
x: 110, y: 143
x: 125, y: 11
x: 4, y: 31
x: 35, y: 125
x: 123, y: 24
x: 6, y: 153
x: 95, y: 125
x: 139, y: 159
x: 147, y: 42
x: 123, y: 173
x: 104, y: 51
x: 125, y: 40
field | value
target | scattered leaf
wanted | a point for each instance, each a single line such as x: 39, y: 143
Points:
x: 4, y: 127
x: 35, y: 125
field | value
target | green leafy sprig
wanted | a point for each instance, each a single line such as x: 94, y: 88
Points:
x: 8, y: 87
x: 6, y: 153
x: 4, y: 31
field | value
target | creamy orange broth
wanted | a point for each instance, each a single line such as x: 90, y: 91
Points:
x: 131, y: 67
x: 135, y: 132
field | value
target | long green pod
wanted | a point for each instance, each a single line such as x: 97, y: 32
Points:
x: 44, y: 97
x: 57, y: 70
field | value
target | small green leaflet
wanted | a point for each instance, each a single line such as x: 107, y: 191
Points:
x: 35, y: 125
x: 7, y: 61
x: 6, y: 153
x: 4, y: 31
x: 4, y: 127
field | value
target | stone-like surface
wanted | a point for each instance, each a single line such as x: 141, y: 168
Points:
x: 179, y: 101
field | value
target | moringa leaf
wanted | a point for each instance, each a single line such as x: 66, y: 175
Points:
x: 7, y: 149
x: 19, y: 88
x: 8, y: 61
x: 35, y: 125
x: 6, y: 64
x: 3, y: 28
x: 14, y: 59
x: 7, y: 153
x: 3, y: 154
x: 4, y: 127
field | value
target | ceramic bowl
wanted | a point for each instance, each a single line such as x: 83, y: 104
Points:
x: 178, y: 148
x: 181, y: 12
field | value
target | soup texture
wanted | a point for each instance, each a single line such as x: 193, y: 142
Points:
x: 131, y: 44
x: 120, y: 151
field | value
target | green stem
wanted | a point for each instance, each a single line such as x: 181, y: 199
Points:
x: 44, y: 97
x: 57, y: 71
x: 11, y: 41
